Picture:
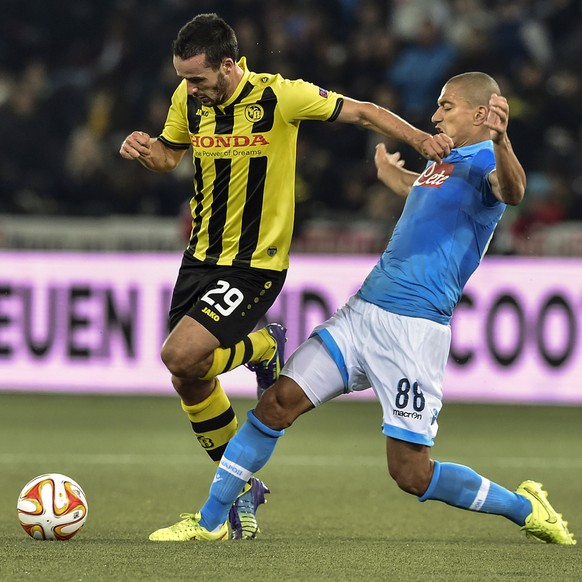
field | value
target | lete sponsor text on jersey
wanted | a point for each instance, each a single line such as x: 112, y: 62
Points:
x: 435, y: 175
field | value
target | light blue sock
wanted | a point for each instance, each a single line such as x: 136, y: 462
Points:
x: 246, y: 453
x: 462, y: 487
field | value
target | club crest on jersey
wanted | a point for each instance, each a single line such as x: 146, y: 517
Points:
x: 435, y: 175
x: 323, y: 93
x: 254, y: 112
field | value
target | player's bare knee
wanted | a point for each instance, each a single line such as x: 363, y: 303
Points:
x: 170, y: 358
x: 271, y: 410
x: 282, y: 404
x: 175, y: 361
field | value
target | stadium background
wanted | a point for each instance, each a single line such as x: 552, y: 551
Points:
x: 75, y: 79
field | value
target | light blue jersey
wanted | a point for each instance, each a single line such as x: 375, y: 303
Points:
x: 444, y: 231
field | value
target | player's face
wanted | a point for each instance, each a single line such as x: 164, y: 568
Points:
x: 455, y: 116
x: 212, y: 87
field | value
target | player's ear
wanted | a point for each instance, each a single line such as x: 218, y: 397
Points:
x: 480, y: 114
x: 228, y: 65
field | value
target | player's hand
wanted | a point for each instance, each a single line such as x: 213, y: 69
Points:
x: 498, y: 117
x: 391, y: 171
x: 436, y: 147
x: 383, y: 159
x: 136, y: 145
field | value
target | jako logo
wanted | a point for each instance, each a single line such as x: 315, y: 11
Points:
x: 435, y: 175
x: 227, y: 141
x: 211, y: 314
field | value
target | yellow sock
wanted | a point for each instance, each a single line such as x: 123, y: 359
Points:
x: 213, y: 421
x: 256, y: 347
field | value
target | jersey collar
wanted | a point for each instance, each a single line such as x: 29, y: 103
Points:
x: 472, y: 149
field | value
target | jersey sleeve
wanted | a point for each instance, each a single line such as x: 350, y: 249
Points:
x: 175, y: 134
x: 300, y: 100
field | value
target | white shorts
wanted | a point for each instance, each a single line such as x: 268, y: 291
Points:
x: 401, y: 358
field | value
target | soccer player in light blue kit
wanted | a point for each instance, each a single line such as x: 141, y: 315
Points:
x: 394, y: 334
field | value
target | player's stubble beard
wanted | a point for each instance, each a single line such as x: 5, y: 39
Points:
x: 220, y: 90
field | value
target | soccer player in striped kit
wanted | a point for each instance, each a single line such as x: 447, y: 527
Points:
x: 242, y: 128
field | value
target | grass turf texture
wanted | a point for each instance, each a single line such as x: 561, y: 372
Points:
x: 334, y: 514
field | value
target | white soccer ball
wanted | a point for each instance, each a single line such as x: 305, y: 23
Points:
x: 52, y: 507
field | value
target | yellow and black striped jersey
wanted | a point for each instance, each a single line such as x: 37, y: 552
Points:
x: 244, y: 154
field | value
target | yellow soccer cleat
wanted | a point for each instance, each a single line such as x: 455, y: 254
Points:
x: 544, y: 523
x: 189, y: 529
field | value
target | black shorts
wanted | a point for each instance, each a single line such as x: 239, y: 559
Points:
x: 227, y: 301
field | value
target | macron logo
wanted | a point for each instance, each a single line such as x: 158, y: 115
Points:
x: 435, y: 175
x: 234, y: 469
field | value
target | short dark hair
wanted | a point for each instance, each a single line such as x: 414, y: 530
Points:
x: 206, y: 34
x: 477, y: 87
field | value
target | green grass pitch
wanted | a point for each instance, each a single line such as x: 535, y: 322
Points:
x: 334, y: 514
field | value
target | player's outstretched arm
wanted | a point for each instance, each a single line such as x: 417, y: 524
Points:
x: 150, y: 152
x: 391, y: 171
x: 508, y: 180
x: 380, y: 120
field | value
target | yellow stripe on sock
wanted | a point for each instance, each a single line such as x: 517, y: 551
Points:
x: 214, y: 422
x: 256, y: 347
x: 215, y: 405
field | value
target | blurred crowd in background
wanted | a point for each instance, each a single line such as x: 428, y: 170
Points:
x: 77, y: 77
